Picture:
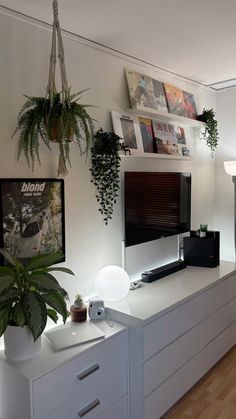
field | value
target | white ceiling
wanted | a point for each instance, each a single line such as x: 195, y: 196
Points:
x: 192, y: 38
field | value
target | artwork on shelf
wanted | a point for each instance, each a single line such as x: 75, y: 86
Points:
x: 149, y: 144
x: 175, y: 100
x: 32, y: 217
x: 170, y: 139
x: 191, y: 110
x: 127, y: 127
x: 145, y: 92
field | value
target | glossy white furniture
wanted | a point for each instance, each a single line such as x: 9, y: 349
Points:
x: 179, y: 327
x: 86, y: 381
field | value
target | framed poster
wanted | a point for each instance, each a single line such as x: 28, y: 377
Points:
x: 141, y: 91
x: 127, y: 127
x: 190, y: 106
x: 175, y: 100
x: 32, y: 217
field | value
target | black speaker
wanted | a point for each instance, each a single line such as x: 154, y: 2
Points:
x: 202, y: 251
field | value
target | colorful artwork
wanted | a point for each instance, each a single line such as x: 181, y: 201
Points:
x: 160, y: 103
x: 149, y: 145
x: 166, y: 140
x: 140, y: 90
x: 32, y: 217
x: 190, y: 106
x: 175, y: 100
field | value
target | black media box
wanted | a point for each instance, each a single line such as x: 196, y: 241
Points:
x: 202, y: 251
x: 158, y: 273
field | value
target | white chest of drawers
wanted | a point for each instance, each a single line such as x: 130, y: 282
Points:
x: 179, y: 327
x: 86, y: 381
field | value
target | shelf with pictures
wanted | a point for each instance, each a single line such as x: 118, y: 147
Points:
x: 150, y: 138
x: 157, y: 100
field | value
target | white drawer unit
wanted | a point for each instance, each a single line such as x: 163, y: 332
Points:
x: 79, y: 382
x: 179, y: 327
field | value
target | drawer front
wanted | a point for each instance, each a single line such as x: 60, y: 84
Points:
x: 92, y: 402
x: 221, y: 345
x: 118, y: 411
x: 220, y: 320
x: 174, y: 356
x: 76, y: 375
x: 160, y: 400
x: 219, y: 295
x: 166, y: 329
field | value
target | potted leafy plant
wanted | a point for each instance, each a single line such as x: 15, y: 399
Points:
x: 210, y: 134
x: 58, y: 117
x: 28, y: 295
x: 78, y: 310
x: 105, y: 169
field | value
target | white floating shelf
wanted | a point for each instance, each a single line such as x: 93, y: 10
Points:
x: 170, y: 117
x: 157, y: 156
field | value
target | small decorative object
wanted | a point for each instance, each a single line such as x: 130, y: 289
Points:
x: 210, y: 134
x: 105, y: 168
x: 58, y: 117
x: 203, y: 230
x: 32, y: 217
x: 28, y: 295
x: 96, y: 309
x: 78, y: 310
x: 112, y: 283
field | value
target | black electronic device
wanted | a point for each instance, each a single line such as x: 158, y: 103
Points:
x: 158, y: 273
x: 157, y: 205
x: 202, y: 251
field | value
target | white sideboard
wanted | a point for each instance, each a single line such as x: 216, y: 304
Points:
x: 85, y: 381
x: 179, y: 327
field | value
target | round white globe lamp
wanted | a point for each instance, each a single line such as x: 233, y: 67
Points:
x: 112, y: 283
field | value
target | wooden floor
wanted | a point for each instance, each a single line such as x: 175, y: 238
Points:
x: 214, y: 396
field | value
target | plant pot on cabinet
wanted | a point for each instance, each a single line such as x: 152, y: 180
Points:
x: 19, y: 343
x: 78, y: 314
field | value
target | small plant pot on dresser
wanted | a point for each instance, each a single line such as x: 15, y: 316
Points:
x: 78, y: 310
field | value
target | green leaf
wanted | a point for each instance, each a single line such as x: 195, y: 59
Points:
x: 35, y: 312
x: 56, y: 301
x: 11, y: 294
x: 52, y: 314
x: 19, y: 315
x: 46, y: 282
x: 11, y: 260
x: 4, y: 318
x: 6, y: 282
x: 41, y: 261
x: 65, y: 270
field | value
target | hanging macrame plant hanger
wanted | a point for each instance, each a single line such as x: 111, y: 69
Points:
x: 51, y: 87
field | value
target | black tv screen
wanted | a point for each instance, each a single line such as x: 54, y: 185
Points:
x: 157, y: 205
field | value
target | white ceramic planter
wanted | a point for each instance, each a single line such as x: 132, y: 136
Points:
x: 19, y: 343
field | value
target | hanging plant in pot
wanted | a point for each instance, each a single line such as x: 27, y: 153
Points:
x: 28, y: 295
x: 58, y: 117
x: 105, y: 169
x: 210, y: 133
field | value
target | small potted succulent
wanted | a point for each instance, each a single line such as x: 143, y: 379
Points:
x: 210, y: 134
x: 29, y: 294
x: 78, y: 310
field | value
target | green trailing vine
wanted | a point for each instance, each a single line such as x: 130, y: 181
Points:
x: 210, y: 134
x: 105, y: 169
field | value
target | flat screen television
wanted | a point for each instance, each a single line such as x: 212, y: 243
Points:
x: 157, y: 205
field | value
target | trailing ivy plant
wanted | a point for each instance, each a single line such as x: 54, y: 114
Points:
x: 105, y: 169
x: 210, y: 134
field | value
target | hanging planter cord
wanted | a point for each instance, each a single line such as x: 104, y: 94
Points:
x: 51, y: 87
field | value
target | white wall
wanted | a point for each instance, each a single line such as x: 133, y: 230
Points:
x: 224, y: 201
x: 24, y: 57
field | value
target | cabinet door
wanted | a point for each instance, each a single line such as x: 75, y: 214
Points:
x: 76, y: 375
x: 95, y: 399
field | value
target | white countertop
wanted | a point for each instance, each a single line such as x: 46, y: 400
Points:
x: 48, y: 359
x: 154, y: 299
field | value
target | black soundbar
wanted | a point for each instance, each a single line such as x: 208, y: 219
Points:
x: 158, y: 273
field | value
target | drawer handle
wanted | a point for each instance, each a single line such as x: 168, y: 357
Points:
x: 88, y: 408
x: 87, y: 372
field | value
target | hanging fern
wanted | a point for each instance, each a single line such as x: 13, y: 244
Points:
x: 105, y: 169
x: 210, y: 134
x: 53, y: 120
